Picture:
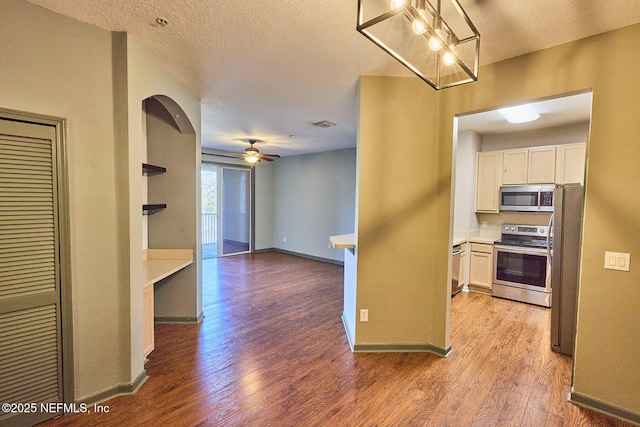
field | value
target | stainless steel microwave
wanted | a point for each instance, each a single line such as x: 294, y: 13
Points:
x: 527, y: 198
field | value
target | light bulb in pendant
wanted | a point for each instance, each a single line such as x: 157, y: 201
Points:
x: 418, y: 25
x: 434, y: 43
x: 448, y: 59
x: 397, y: 3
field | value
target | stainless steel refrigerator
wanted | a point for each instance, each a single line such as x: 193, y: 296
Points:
x: 564, y: 255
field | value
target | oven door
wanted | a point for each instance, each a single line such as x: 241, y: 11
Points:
x: 525, y: 268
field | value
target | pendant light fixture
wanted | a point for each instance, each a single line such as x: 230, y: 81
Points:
x: 435, y: 39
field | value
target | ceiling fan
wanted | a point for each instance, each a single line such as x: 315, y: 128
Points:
x: 252, y: 155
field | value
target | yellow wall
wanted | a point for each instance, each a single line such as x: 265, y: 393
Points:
x: 414, y: 226
x: 403, y: 210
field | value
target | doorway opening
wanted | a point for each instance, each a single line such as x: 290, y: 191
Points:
x: 227, y: 216
x: 490, y: 153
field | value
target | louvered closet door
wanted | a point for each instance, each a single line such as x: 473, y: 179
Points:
x: 30, y: 343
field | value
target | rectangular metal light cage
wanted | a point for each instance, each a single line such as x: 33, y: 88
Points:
x: 446, y: 30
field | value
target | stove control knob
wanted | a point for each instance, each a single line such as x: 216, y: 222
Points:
x: 541, y: 231
x: 506, y: 228
x: 513, y: 229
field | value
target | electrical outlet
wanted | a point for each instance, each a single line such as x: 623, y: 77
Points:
x: 364, y: 315
x: 484, y: 224
x: 617, y: 261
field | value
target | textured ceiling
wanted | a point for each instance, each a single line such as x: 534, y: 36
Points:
x: 267, y: 70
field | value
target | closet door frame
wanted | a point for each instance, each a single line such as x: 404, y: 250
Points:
x: 64, y: 250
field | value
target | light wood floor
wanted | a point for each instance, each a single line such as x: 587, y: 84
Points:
x: 272, y: 351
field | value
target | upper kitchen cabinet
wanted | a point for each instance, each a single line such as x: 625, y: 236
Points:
x: 529, y: 166
x: 542, y: 165
x: 489, y: 179
x: 570, y: 163
x: 514, y: 166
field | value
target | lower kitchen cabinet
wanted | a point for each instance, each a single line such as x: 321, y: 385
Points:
x: 462, y: 275
x: 481, y: 267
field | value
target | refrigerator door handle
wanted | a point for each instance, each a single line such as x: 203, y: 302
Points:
x: 549, y: 236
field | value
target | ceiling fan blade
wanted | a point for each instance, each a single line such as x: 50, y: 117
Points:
x: 266, y: 158
x: 271, y: 155
x: 238, y: 157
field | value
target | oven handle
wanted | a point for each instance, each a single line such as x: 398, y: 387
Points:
x: 549, y: 236
x: 521, y: 250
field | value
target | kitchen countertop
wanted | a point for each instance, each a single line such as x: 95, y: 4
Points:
x: 343, y: 241
x: 474, y: 237
x: 484, y: 239
x: 459, y: 240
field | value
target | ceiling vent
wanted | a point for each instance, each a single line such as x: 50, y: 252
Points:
x: 324, y: 124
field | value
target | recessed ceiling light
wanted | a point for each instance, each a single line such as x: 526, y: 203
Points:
x: 520, y: 113
x: 323, y: 124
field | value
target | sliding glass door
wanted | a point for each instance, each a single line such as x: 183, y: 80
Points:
x: 236, y: 211
x: 226, y: 210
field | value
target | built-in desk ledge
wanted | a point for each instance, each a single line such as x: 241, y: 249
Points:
x: 343, y: 241
x: 158, y: 264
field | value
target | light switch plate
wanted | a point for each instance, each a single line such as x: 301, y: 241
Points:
x: 617, y: 261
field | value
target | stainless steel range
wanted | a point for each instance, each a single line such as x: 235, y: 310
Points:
x: 521, y: 268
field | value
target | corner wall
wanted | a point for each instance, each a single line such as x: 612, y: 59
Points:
x: 606, y: 366
x: 404, y: 184
x: 146, y: 77
x: 56, y: 66
x: 96, y: 80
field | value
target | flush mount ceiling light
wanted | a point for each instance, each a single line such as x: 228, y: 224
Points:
x: 520, y: 113
x: 435, y: 39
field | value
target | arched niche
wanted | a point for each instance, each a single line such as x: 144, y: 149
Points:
x: 177, y: 114
x: 172, y: 144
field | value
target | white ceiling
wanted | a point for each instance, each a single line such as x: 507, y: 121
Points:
x: 565, y: 110
x: 267, y: 70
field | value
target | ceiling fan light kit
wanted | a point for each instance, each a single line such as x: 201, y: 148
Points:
x: 435, y: 39
x: 251, y: 155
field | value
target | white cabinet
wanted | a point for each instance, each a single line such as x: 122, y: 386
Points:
x: 524, y: 166
x: 148, y: 340
x: 481, y: 267
x: 489, y: 179
x: 541, y: 165
x: 462, y: 273
x: 570, y: 163
x: 514, y: 166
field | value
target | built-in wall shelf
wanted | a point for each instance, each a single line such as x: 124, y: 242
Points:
x: 151, y: 209
x: 148, y: 169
